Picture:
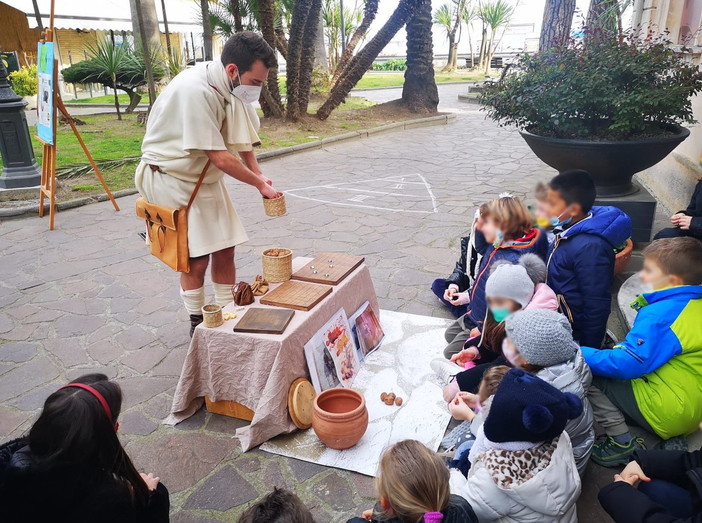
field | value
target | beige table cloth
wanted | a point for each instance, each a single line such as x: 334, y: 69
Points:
x: 257, y: 370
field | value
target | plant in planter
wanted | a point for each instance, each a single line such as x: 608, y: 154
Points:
x: 611, y: 105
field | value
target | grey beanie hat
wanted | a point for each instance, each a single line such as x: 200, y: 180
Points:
x: 510, y: 281
x: 543, y: 337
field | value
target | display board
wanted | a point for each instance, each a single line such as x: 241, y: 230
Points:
x: 46, y: 106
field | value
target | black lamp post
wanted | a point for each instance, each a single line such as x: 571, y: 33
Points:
x: 20, y: 169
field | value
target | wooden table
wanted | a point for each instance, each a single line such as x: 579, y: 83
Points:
x: 256, y: 370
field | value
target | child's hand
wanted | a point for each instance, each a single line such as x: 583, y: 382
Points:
x: 474, y: 333
x: 632, y: 474
x: 471, y: 400
x: 682, y: 221
x: 367, y: 514
x: 466, y: 355
x: 459, y: 409
x: 450, y: 292
x: 150, y: 480
x: 460, y: 298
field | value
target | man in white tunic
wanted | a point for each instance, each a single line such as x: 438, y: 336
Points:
x: 203, y: 114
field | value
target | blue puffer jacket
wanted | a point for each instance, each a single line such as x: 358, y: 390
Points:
x: 534, y: 242
x: 581, y: 268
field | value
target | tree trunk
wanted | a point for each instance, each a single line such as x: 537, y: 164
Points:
x: 145, y: 10
x: 307, y: 59
x: 114, y: 90
x: 360, y: 63
x: 483, y: 47
x: 301, y: 9
x: 134, y: 99
x: 271, y: 105
x: 453, y: 47
x: 206, y: 29
x: 369, y: 12
x: 320, y: 51
x: 236, y: 13
x: 557, y: 22
x: 419, y: 91
x: 281, y: 43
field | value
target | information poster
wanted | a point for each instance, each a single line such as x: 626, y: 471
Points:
x: 45, y: 105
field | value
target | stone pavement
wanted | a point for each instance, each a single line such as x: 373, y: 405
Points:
x: 88, y: 298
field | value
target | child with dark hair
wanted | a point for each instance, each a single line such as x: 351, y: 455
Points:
x: 522, y: 461
x: 581, y: 258
x: 654, y: 376
x: 687, y: 222
x: 72, y: 467
x: 279, y: 506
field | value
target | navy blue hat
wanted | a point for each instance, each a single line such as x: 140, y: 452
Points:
x: 526, y: 408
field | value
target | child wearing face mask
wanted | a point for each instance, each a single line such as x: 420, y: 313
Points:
x: 508, y: 234
x: 654, y: 376
x: 541, y: 342
x: 508, y: 289
x: 581, y: 258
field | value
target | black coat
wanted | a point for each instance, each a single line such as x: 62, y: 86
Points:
x: 460, y: 275
x: 458, y: 511
x: 625, y: 504
x: 68, y: 493
x: 695, y: 210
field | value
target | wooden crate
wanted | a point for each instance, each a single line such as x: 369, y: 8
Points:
x: 229, y: 408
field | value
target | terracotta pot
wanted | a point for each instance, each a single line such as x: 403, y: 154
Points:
x: 340, y: 418
x: 621, y: 259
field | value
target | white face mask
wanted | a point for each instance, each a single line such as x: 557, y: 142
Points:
x: 649, y: 287
x: 246, y: 93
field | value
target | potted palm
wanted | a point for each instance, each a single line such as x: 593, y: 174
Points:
x: 612, y: 105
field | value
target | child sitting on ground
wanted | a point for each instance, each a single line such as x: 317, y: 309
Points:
x: 508, y: 289
x: 508, y: 234
x: 581, y: 259
x: 687, y: 222
x: 654, y: 376
x: 72, y: 467
x: 541, y: 342
x: 413, y: 486
x: 466, y: 269
x: 669, y: 488
x: 279, y: 506
x: 522, y: 462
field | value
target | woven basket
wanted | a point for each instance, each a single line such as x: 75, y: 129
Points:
x: 275, y: 206
x: 277, y: 269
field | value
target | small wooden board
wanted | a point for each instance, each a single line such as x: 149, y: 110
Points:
x: 231, y: 409
x: 343, y: 265
x: 296, y: 295
x: 301, y: 403
x: 264, y: 321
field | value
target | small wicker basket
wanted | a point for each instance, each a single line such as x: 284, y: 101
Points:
x: 278, y: 268
x: 275, y: 206
x: 212, y: 315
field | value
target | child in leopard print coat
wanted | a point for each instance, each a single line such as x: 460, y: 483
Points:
x: 523, y: 468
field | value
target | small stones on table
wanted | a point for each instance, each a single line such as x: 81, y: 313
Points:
x: 390, y: 398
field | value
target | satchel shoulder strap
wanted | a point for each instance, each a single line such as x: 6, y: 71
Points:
x: 198, y: 184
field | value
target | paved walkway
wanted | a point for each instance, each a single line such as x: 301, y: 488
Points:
x: 86, y: 297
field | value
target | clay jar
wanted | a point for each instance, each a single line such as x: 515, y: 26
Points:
x: 340, y: 417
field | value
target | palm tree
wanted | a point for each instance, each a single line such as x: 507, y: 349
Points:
x: 370, y: 9
x: 331, y: 14
x: 558, y: 19
x: 469, y: 16
x: 359, y: 64
x: 494, y: 14
x: 110, y: 59
x: 419, y: 91
x: 206, y: 29
x: 450, y: 17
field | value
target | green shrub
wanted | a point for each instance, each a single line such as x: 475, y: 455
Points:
x: 390, y: 65
x: 601, y: 89
x: 24, y: 82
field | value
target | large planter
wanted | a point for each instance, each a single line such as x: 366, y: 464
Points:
x: 340, y: 417
x: 612, y: 164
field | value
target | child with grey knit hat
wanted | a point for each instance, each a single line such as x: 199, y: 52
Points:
x: 541, y: 342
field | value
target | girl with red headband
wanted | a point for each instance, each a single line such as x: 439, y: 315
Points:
x: 71, y: 467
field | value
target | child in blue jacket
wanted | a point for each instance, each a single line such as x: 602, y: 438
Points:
x: 653, y: 377
x: 580, y: 262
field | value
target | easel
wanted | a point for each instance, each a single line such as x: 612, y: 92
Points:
x: 48, y: 164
